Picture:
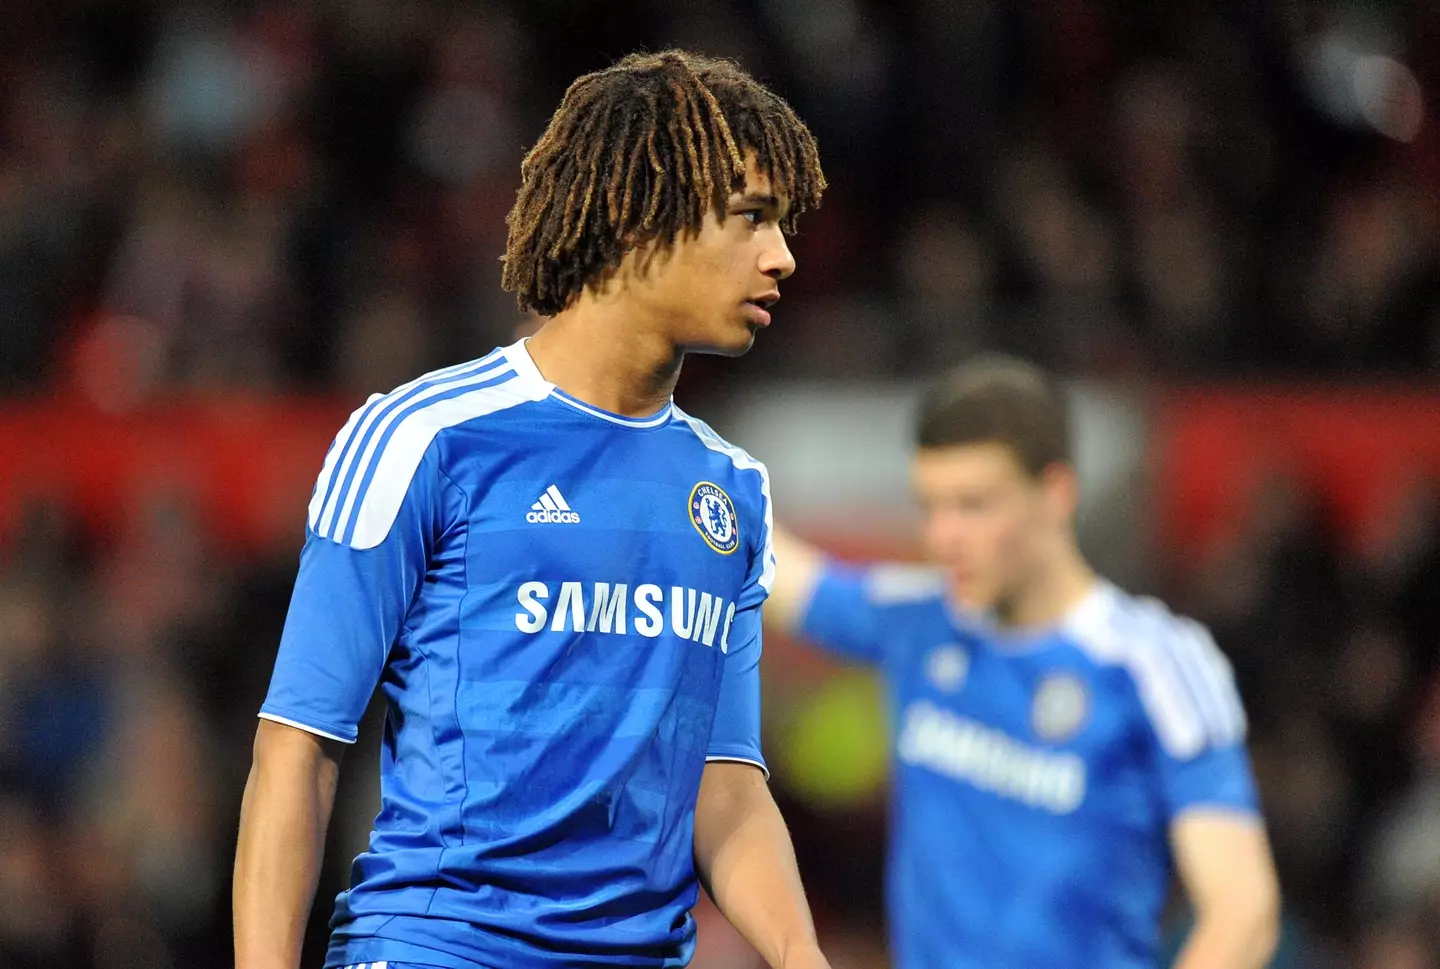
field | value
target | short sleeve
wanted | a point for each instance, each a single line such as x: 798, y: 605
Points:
x: 1218, y: 777
x: 735, y: 734
x: 843, y: 617
x: 1196, y: 719
x: 347, y: 610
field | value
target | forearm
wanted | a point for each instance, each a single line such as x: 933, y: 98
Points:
x: 1230, y: 940
x: 283, y: 818
x: 746, y: 862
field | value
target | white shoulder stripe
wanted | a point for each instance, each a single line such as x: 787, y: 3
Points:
x: 1158, y: 639
x: 1184, y: 682
x: 395, y: 465
x: 373, y: 441
x: 1209, y: 675
x: 333, y: 457
x: 341, y: 460
x: 742, y: 460
x: 1169, y: 708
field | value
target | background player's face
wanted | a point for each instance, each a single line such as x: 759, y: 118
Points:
x: 987, y: 521
x: 704, y: 293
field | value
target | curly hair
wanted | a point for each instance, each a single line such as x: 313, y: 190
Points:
x: 638, y: 153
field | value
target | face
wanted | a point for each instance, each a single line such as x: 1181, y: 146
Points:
x: 711, y: 291
x: 987, y: 521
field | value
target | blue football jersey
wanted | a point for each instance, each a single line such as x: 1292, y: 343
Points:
x: 561, y: 606
x: 1036, y: 775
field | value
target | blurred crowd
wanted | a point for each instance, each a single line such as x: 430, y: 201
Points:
x: 311, y: 193
x: 1337, y: 652
x: 309, y: 196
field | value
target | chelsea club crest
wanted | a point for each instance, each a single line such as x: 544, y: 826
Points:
x: 713, y: 515
x: 947, y: 666
x: 1062, y: 705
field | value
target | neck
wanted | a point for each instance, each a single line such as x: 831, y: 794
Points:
x: 600, y: 353
x: 1056, y: 588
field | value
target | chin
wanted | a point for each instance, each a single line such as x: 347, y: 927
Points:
x: 975, y: 598
x: 728, y: 345
x: 741, y: 346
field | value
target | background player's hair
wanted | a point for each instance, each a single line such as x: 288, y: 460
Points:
x: 999, y: 399
x: 637, y: 153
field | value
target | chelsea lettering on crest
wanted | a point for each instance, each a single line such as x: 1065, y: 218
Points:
x: 713, y: 515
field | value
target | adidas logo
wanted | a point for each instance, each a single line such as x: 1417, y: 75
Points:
x: 552, y: 508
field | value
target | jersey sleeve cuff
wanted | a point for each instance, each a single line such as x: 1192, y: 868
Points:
x: 327, y: 731
x: 739, y: 758
x: 1240, y: 812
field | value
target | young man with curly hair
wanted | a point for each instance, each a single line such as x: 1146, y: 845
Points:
x: 555, y: 576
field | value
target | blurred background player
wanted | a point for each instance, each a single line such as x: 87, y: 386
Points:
x: 556, y: 576
x: 1060, y: 746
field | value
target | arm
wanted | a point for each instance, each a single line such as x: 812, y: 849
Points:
x: 1225, y: 864
x: 746, y: 862
x: 743, y: 854
x: 835, y: 606
x: 283, y: 818
x: 346, y: 612
x: 798, y: 567
x: 1212, y: 810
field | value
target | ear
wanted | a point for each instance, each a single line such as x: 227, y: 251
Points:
x: 1060, y: 486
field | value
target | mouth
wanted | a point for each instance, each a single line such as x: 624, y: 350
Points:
x: 758, y: 307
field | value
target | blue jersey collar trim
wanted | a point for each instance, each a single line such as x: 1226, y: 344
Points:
x: 524, y: 364
x: 654, y: 420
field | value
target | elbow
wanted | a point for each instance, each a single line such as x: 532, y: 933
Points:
x: 1245, y: 922
x: 1265, y: 907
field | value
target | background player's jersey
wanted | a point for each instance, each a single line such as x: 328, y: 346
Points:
x: 561, y: 607
x: 1035, y: 777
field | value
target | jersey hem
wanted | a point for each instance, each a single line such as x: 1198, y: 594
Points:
x: 308, y: 728
x: 463, y: 945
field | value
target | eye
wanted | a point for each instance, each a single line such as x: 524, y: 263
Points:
x: 753, y: 216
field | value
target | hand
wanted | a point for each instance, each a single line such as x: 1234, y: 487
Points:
x: 804, y: 957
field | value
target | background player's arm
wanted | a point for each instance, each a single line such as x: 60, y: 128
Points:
x: 283, y: 818
x: 1216, y: 830
x: 360, y: 570
x: 1225, y: 864
x: 746, y: 862
x: 798, y: 567
x: 824, y: 602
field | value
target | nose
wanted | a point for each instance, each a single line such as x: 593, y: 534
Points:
x: 946, y: 534
x: 776, y: 260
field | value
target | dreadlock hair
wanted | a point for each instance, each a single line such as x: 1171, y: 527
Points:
x: 638, y: 153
